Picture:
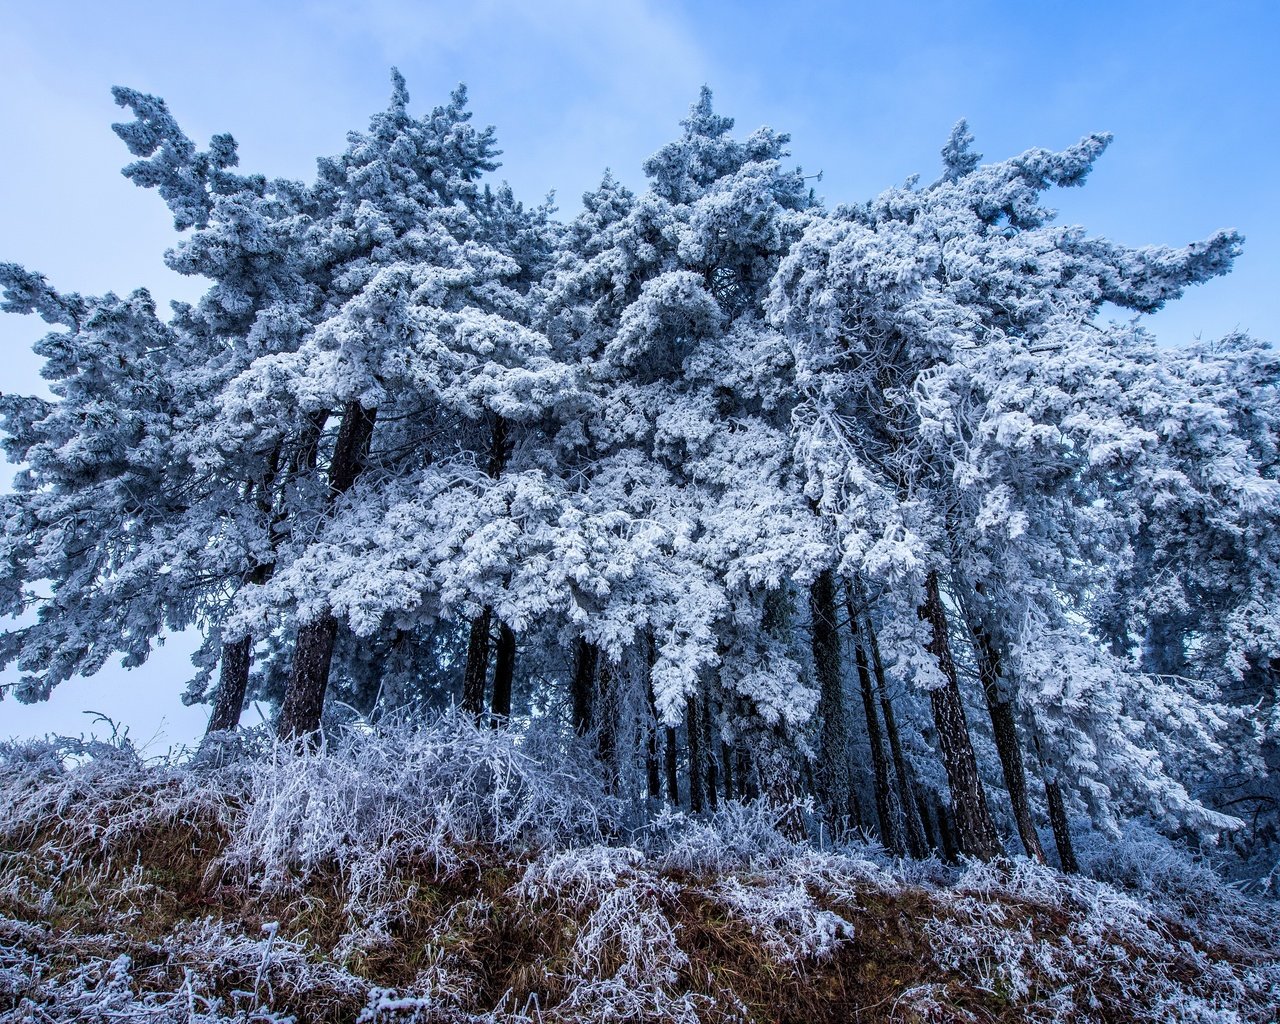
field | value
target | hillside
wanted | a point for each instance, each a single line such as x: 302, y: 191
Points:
x: 443, y: 874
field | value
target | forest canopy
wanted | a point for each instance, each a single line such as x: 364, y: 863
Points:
x: 875, y: 511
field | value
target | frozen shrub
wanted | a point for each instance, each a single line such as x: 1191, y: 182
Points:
x: 736, y: 835
x: 787, y: 922
x: 402, y: 795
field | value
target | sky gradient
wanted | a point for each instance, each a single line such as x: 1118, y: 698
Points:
x: 868, y: 93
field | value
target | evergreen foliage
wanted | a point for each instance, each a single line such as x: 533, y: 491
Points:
x: 866, y: 513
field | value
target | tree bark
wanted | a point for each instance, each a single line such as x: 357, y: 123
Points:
x: 949, y: 850
x: 726, y: 762
x: 606, y: 718
x: 748, y: 783
x: 653, y: 772
x: 709, y: 747
x: 504, y: 670
x: 233, y: 681
x: 1057, y: 812
x: 672, y: 767
x: 975, y: 831
x: 1004, y: 730
x: 304, y: 696
x: 652, y: 766
x: 477, y: 668
x: 582, y: 691
x: 1061, y: 828
x: 832, y: 780
x: 888, y: 813
x: 695, y: 760
x: 313, y: 649
x: 919, y: 842
x: 476, y: 672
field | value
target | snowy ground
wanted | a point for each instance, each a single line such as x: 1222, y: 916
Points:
x: 446, y: 874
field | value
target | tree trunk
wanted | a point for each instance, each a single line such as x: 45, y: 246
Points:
x: 926, y: 823
x: 673, y: 774
x: 832, y: 782
x: 748, y: 783
x: 304, y: 696
x: 726, y: 761
x: 949, y: 851
x: 653, y: 772
x: 477, y: 667
x: 233, y: 669
x: 887, y: 810
x: 1061, y: 828
x: 313, y: 649
x: 504, y: 670
x: 351, y: 448
x: 1004, y: 730
x: 709, y: 747
x: 695, y: 760
x: 606, y: 716
x: 582, y: 690
x: 1057, y: 812
x: 233, y: 681
x: 652, y: 766
x: 975, y: 831
x: 919, y: 842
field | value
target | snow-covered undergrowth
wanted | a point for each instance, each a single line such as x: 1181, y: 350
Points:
x: 452, y: 873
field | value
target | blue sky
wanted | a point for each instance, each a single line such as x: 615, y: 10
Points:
x: 867, y: 91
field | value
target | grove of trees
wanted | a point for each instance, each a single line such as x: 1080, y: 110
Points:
x: 891, y: 505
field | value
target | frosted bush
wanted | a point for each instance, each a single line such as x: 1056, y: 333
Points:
x: 735, y: 835
x: 95, y: 797
x: 404, y: 795
x: 788, y: 923
x: 580, y: 877
x: 1066, y: 949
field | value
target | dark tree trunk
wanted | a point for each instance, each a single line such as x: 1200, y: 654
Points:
x: 673, y: 773
x: 351, y: 447
x: 949, y: 850
x: 695, y: 760
x: 919, y: 841
x: 653, y: 772
x: 477, y: 667
x: 887, y: 810
x: 1057, y: 812
x: 832, y: 782
x: 1005, y: 732
x: 304, y: 696
x: 233, y: 681
x: 504, y: 670
x: 586, y: 656
x: 975, y: 831
x: 313, y: 649
x: 926, y: 822
x: 476, y: 672
x: 307, y: 453
x: 233, y: 669
x: 652, y: 766
x: 606, y: 717
x: 748, y: 783
x: 726, y: 761
x: 1061, y: 829
x: 498, y: 445
x: 709, y: 747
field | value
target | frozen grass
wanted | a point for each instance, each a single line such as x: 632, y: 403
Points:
x: 447, y: 874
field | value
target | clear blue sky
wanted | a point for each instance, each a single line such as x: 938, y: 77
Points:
x: 868, y: 92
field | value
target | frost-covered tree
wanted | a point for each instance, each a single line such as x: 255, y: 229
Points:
x: 734, y: 493
x: 661, y: 298
x: 904, y: 315
x: 91, y: 529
